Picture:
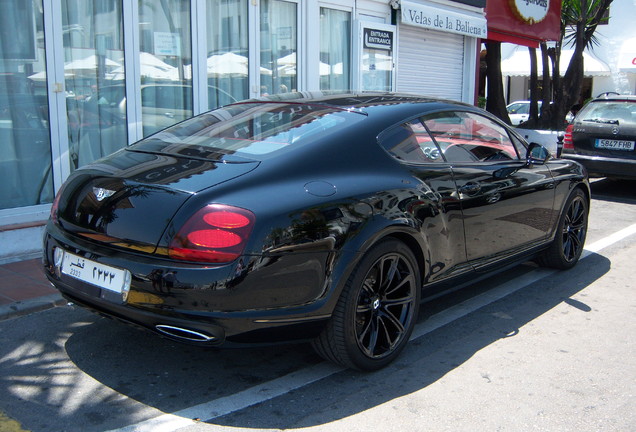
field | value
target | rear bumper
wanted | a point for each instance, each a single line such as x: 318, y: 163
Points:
x: 192, y: 303
x: 598, y: 166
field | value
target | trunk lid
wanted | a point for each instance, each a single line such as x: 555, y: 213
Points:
x: 128, y: 199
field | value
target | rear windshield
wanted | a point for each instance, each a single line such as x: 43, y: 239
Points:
x: 616, y: 112
x: 249, y: 129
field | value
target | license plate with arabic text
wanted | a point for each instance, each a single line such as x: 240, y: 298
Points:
x: 94, y: 273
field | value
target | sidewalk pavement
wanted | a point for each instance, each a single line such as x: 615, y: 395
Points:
x: 25, y: 289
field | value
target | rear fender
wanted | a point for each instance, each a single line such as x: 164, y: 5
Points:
x: 349, y: 256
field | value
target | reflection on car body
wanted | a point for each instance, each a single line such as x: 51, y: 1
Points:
x: 325, y: 218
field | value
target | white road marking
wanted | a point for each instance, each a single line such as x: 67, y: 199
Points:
x: 609, y: 240
x: 279, y: 386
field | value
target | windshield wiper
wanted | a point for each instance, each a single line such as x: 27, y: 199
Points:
x: 600, y: 120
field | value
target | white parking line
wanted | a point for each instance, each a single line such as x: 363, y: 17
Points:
x: 609, y: 240
x: 277, y: 387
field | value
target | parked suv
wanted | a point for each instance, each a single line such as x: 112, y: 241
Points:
x: 602, y: 137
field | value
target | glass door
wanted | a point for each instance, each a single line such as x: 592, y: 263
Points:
x: 165, y: 59
x: 25, y: 143
x: 227, y: 64
x: 375, y: 50
x: 279, y: 47
x: 94, y: 79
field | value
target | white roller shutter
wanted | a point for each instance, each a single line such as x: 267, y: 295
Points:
x: 430, y: 63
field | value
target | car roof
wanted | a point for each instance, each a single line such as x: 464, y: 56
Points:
x: 616, y: 98
x: 387, y: 104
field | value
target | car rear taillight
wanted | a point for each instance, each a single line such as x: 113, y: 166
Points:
x: 568, y: 143
x: 217, y: 234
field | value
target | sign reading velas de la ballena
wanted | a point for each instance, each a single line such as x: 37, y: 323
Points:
x: 530, y: 11
x: 443, y: 20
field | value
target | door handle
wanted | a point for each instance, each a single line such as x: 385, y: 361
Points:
x: 470, y: 188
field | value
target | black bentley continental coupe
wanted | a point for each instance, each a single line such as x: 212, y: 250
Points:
x: 316, y: 217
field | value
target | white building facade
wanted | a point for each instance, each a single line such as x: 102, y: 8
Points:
x: 81, y: 79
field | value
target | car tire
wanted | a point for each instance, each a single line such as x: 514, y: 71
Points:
x: 567, y: 246
x: 376, y: 312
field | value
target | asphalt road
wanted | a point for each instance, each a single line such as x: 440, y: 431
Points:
x: 527, y: 350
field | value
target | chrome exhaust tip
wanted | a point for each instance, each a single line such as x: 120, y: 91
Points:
x: 184, y: 334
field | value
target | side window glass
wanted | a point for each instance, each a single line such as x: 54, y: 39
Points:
x: 470, y: 137
x: 521, y: 148
x: 411, y: 142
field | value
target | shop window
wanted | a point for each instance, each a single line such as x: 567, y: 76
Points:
x: 470, y: 137
x: 335, y: 49
x: 25, y: 145
x: 279, y: 62
x: 227, y: 45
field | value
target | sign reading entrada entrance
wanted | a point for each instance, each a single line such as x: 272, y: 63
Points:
x: 378, y: 39
x: 443, y: 20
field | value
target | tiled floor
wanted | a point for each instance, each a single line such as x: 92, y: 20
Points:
x: 23, y: 280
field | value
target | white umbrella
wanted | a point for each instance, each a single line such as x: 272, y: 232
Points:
x: 88, y: 64
x: 518, y: 63
x: 227, y: 64
x: 287, y: 66
x: 150, y: 67
x: 232, y: 64
x: 288, y: 60
x: 290, y: 69
x: 41, y: 76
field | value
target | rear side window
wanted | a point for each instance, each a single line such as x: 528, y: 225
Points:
x: 470, y: 137
x: 411, y: 142
x: 250, y: 129
x: 623, y: 112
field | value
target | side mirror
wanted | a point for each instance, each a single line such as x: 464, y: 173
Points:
x: 537, y: 154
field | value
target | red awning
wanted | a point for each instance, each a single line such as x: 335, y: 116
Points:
x: 523, y: 22
x: 518, y: 40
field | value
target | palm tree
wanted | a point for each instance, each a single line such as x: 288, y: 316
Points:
x: 579, y: 20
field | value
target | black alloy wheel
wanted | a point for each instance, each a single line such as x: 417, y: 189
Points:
x: 567, y: 247
x: 376, y: 313
x: 574, y: 229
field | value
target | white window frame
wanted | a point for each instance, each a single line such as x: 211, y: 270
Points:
x: 132, y: 70
x: 313, y: 44
x: 198, y: 28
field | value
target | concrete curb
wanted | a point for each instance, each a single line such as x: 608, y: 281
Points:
x: 26, y: 307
